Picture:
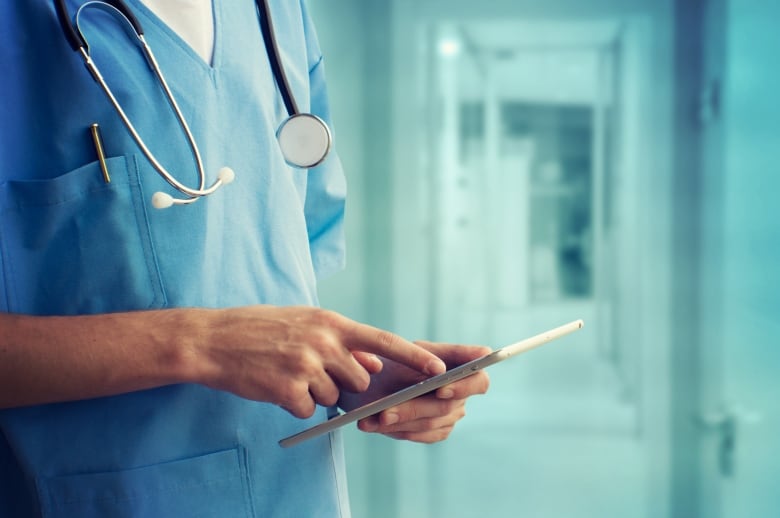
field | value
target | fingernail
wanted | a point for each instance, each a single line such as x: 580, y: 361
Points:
x: 390, y: 418
x: 446, y: 393
x: 435, y: 367
x: 369, y: 425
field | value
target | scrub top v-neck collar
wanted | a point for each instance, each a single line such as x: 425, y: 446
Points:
x: 193, y: 20
x: 150, y: 17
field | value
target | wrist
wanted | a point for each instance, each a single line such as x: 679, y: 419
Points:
x: 184, y: 345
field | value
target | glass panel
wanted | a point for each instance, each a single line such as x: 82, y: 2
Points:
x: 512, y: 164
x: 499, y: 152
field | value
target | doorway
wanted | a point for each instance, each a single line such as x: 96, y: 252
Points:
x: 522, y: 200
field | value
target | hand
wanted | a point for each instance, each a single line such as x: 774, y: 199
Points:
x: 429, y: 418
x: 297, y: 357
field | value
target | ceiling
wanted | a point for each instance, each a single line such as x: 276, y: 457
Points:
x: 561, y: 62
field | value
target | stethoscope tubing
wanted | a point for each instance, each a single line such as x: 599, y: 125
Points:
x: 120, y: 11
x: 75, y: 37
x: 269, y: 38
x: 316, y: 130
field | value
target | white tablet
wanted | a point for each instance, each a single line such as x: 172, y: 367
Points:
x: 430, y: 384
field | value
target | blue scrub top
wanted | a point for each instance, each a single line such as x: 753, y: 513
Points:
x: 72, y: 244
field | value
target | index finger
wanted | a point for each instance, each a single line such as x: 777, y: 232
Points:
x: 362, y: 337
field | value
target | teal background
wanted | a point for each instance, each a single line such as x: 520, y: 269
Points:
x: 661, y: 231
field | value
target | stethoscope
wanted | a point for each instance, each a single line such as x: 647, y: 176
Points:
x: 304, y: 139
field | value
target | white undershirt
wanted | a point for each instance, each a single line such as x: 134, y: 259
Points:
x: 192, y: 20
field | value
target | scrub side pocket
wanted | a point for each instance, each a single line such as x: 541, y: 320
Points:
x: 75, y: 244
x: 210, y: 486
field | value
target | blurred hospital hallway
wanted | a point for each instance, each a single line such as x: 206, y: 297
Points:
x: 517, y: 164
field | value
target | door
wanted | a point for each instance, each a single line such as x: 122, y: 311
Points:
x: 739, y: 414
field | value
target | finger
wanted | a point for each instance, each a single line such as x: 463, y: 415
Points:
x: 298, y: 401
x: 348, y: 373
x: 425, y: 407
x: 453, y: 354
x: 428, y: 437
x: 477, y: 383
x: 418, y: 425
x: 370, y: 362
x: 361, y: 337
x: 324, y: 391
x: 420, y: 408
x: 337, y: 362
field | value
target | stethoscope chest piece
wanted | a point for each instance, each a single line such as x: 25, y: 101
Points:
x: 304, y: 139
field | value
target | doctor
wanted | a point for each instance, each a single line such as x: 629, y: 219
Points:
x: 151, y: 359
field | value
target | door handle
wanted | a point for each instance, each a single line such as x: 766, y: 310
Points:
x: 727, y: 422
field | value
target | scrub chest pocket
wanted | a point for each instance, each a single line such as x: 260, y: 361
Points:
x: 209, y: 486
x: 75, y: 244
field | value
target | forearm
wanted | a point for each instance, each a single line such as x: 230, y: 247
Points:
x: 53, y: 359
x: 294, y: 357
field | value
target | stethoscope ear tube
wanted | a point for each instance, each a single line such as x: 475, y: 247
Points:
x: 75, y: 39
x: 122, y: 8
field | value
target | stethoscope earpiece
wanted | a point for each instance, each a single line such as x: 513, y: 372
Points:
x: 163, y: 200
x: 226, y: 175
